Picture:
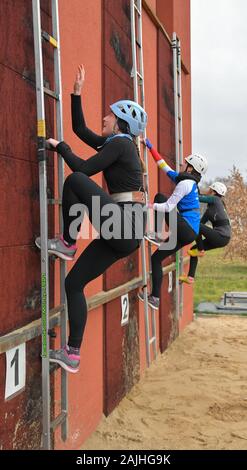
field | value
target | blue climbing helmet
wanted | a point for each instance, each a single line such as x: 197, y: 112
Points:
x: 132, y: 113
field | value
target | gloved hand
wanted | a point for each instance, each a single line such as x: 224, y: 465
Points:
x: 148, y: 144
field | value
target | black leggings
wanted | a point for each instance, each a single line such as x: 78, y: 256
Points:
x: 185, y: 235
x: 213, y: 239
x: 97, y: 257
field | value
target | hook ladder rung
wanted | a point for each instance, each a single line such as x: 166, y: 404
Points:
x: 48, y: 38
x: 59, y: 420
x: 51, y: 93
x: 139, y: 75
x: 137, y: 9
x: 54, y: 202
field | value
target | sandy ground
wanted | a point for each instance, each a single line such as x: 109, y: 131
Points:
x: 193, y: 397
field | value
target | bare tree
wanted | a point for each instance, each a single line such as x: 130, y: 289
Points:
x: 236, y: 202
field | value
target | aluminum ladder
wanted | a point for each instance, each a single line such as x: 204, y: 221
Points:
x: 54, y: 41
x: 139, y: 96
x: 177, y: 77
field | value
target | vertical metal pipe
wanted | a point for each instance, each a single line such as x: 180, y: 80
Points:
x: 175, y: 82
x: 43, y: 223
x: 181, y: 161
x: 59, y: 131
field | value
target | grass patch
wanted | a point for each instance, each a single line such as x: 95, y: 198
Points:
x: 216, y: 275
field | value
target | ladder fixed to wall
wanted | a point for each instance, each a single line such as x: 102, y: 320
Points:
x: 177, y: 77
x: 42, y: 91
x: 139, y: 97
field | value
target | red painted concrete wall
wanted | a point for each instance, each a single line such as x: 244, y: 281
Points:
x: 113, y: 357
x: 121, y: 343
x: 166, y: 145
x: 81, y: 36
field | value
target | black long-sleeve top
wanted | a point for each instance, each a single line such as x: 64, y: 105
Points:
x: 118, y: 159
x: 216, y: 213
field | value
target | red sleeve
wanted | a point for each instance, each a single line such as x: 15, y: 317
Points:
x: 156, y: 154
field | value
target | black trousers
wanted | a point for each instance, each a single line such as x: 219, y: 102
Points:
x: 213, y: 239
x: 99, y: 254
x: 185, y: 235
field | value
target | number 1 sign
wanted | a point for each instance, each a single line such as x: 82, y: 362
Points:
x: 15, y: 370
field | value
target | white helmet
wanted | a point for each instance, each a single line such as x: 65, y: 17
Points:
x: 219, y: 188
x: 199, y: 163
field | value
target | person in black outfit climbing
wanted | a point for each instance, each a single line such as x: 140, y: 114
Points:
x: 216, y: 237
x: 117, y: 156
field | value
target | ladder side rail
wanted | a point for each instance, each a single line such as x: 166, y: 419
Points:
x: 43, y: 223
x: 60, y: 163
x: 175, y: 83
x: 181, y: 161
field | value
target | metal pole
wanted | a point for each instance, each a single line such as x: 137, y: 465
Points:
x: 175, y: 81
x: 180, y: 110
x: 181, y: 161
x: 59, y: 129
x: 43, y: 223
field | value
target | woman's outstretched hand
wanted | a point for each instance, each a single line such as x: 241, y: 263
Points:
x: 79, y: 80
x: 146, y: 143
x: 51, y: 144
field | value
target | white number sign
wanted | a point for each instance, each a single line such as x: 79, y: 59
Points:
x: 15, y: 370
x: 170, y: 281
x: 125, y: 309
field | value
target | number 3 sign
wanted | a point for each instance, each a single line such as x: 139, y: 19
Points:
x: 15, y: 370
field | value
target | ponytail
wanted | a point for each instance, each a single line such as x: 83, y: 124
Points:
x: 124, y: 127
x: 143, y: 166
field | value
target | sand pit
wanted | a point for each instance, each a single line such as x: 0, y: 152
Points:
x: 193, y: 397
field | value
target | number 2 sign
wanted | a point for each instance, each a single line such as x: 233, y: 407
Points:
x: 15, y: 370
x: 125, y: 309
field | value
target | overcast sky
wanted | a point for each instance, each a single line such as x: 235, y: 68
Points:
x: 219, y: 83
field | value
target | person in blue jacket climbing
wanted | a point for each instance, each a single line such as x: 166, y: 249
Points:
x: 217, y: 236
x: 184, y: 200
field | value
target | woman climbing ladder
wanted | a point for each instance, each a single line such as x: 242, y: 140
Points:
x: 185, y: 199
x: 217, y: 236
x: 120, y: 162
